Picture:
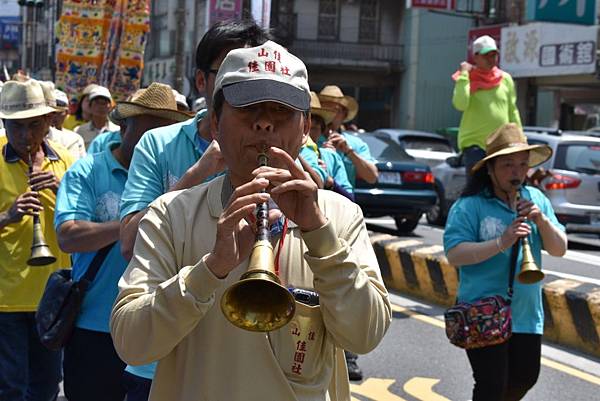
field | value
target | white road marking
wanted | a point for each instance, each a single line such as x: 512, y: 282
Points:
x: 583, y: 362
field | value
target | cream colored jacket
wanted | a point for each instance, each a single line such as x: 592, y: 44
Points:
x: 168, y: 306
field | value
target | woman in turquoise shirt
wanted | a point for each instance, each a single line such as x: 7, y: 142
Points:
x: 481, y: 229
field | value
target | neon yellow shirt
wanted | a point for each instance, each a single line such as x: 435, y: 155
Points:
x: 21, y: 286
x: 483, y: 111
x: 71, y: 122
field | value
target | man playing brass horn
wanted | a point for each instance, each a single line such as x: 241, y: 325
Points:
x: 194, y: 244
x: 27, y: 369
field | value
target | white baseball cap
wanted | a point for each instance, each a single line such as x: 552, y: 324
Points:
x: 484, y: 44
x: 180, y: 99
x: 61, y: 98
x: 100, y: 91
x: 265, y: 73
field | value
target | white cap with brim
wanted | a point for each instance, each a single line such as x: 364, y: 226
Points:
x: 100, y: 91
x: 484, y: 45
x: 20, y: 100
x: 266, y: 73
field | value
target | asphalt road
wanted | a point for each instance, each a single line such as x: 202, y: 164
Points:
x: 415, y: 361
x: 582, y: 261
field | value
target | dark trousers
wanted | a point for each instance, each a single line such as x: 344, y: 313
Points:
x: 28, y: 370
x: 505, y: 372
x: 138, y: 388
x: 93, y: 370
x: 471, y: 156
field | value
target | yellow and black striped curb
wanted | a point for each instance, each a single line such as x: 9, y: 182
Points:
x: 572, y: 308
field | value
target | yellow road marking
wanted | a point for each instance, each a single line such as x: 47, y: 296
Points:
x: 376, y: 389
x: 546, y: 362
x: 422, y: 389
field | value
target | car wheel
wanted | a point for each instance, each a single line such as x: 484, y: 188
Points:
x: 437, y: 214
x: 406, y: 224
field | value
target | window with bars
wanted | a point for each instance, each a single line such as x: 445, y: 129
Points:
x: 328, y: 19
x: 369, y: 21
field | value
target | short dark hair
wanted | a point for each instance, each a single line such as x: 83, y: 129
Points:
x: 226, y: 34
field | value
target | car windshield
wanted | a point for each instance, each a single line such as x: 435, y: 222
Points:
x: 580, y: 157
x: 385, y: 148
x: 431, y: 144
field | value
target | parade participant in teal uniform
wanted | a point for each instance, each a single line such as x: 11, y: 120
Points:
x: 193, y: 244
x: 87, y: 219
x: 354, y: 151
x: 182, y: 155
x: 330, y: 163
x: 480, y: 232
x: 486, y: 95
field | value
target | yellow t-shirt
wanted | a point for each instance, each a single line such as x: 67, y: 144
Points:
x: 21, y: 286
x: 71, y: 122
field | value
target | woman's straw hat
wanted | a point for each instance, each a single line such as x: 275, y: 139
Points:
x: 332, y: 93
x: 156, y: 100
x: 509, y: 139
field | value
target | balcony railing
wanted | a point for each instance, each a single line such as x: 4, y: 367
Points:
x: 309, y: 50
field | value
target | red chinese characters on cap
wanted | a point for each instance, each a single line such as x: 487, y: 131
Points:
x: 270, y: 65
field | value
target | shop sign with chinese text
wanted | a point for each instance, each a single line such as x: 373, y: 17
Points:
x: 544, y: 49
x: 436, y: 4
x: 572, y: 11
x: 221, y: 10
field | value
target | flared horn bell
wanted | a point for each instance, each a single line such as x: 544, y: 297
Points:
x: 258, y: 301
x: 530, y: 272
x: 40, y: 251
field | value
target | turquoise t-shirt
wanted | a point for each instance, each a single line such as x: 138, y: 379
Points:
x: 311, y: 158
x: 159, y: 160
x: 484, y: 217
x: 359, y: 146
x: 102, y: 141
x: 90, y: 191
x: 336, y: 168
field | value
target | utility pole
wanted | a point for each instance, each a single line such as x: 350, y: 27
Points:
x: 180, y: 34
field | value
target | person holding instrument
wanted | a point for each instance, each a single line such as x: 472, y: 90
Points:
x: 494, y: 212
x: 194, y: 245
x: 27, y: 369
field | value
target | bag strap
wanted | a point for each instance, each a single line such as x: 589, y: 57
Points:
x: 514, y: 255
x: 94, y: 266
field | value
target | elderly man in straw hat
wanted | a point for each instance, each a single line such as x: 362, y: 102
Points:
x: 31, y: 169
x: 70, y: 140
x: 87, y: 219
x: 194, y: 244
x: 495, y: 211
x: 330, y: 165
x: 354, y: 151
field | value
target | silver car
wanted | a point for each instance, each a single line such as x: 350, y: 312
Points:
x: 574, y: 185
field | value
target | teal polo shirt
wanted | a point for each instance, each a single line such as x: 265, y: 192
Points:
x: 90, y: 191
x: 359, y: 146
x: 484, y: 217
x: 336, y: 168
x: 160, y: 159
x: 311, y: 158
x: 102, y: 141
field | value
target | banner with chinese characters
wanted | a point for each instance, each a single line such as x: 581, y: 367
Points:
x: 102, y: 42
x: 543, y: 49
x: 222, y: 10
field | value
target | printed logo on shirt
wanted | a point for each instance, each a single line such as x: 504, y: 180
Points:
x: 107, y: 207
x: 491, y: 228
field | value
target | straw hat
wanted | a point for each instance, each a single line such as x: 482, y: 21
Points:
x: 20, y: 100
x: 315, y: 109
x: 509, y: 139
x: 332, y: 93
x: 156, y: 100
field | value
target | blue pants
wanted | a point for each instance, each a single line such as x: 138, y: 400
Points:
x: 28, y: 370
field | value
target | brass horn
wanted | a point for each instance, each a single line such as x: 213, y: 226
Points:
x: 530, y: 273
x: 258, y: 301
x: 40, y: 251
